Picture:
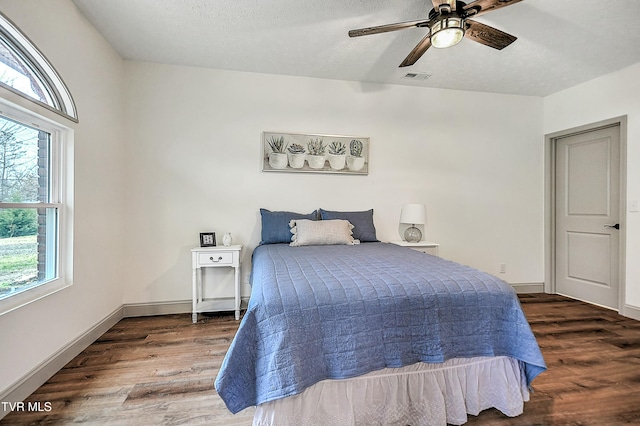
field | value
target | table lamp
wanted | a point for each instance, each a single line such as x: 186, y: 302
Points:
x: 413, y: 214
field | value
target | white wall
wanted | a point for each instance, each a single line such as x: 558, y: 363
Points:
x: 610, y: 96
x: 194, y: 149
x: 94, y: 74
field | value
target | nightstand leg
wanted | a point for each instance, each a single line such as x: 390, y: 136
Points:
x: 237, y: 293
x: 194, y: 296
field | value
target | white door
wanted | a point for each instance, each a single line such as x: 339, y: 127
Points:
x: 587, y: 214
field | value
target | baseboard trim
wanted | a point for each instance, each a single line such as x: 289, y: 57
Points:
x: 631, y: 312
x: 159, y: 308
x: 164, y: 308
x: 528, y: 287
x: 50, y: 366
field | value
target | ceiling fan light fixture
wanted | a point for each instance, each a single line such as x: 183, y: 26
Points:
x: 449, y: 22
x: 447, y: 31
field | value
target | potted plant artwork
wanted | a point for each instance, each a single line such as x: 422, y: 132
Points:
x: 337, y: 155
x: 296, y: 156
x: 316, y: 153
x: 278, y: 154
x: 315, y: 157
x: 355, y: 161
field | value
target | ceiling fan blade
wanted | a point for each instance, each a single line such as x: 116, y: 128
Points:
x: 417, y: 52
x: 487, y: 35
x: 480, y: 7
x: 387, y: 28
x: 437, y: 3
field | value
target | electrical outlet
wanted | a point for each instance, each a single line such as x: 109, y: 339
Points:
x: 503, y: 268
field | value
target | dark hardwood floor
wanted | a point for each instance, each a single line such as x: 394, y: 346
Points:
x: 593, y: 360
x: 160, y: 371
x: 143, y: 371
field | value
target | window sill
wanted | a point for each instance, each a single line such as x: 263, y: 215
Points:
x: 23, y: 298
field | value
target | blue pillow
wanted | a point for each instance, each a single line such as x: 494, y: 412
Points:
x: 275, y: 225
x: 363, y: 230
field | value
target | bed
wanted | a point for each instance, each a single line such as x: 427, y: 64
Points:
x: 374, y: 333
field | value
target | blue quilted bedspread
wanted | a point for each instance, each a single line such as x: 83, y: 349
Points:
x: 334, y: 312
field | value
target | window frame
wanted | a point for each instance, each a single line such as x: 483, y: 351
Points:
x: 20, y: 44
x: 61, y: 197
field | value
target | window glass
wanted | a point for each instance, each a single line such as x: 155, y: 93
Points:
x: 16, y: 73
x: 23, y: 159
x: 28, y: 214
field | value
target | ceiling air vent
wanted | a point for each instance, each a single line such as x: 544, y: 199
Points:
x: 416, y: 76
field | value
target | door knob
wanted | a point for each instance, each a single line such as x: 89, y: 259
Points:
x: 616, y: 226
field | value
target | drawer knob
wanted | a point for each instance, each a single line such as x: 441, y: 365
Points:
x: 218, y: 260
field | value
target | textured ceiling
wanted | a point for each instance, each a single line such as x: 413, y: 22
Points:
x: 561, y: 43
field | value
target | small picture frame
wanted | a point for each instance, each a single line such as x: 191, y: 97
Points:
x: 207, y: 239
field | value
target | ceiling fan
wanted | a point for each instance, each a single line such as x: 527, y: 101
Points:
x: 448, y: 23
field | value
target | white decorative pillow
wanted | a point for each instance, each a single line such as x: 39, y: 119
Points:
x: 320, y: 232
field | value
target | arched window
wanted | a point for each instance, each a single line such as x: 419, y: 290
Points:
x: 24, y: 70
x: 36, y: 170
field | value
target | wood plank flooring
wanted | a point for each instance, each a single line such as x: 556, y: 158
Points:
x: 160, y: 371
x: 143, y: 371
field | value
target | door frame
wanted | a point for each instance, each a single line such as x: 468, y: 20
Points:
x: 550, y: 146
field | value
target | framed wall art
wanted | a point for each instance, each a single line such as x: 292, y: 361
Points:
x: 313, y: 153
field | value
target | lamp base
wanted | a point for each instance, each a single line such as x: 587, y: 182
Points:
x: 412, y: 235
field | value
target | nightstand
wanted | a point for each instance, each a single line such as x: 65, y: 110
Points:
x: 214, y: 257
x: 423, y: 246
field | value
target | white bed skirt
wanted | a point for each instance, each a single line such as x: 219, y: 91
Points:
x: 419, y: 394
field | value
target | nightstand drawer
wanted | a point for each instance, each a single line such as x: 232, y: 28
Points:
x: 215, y: 258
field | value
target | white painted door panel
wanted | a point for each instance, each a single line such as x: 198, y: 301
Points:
x: 587, y: 200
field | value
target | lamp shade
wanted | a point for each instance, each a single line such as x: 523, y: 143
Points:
x: 415, y: 214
